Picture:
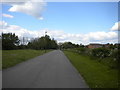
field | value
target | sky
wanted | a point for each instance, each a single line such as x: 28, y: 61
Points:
x: 77, y: 22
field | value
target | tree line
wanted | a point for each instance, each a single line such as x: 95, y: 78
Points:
x: 11, y: 41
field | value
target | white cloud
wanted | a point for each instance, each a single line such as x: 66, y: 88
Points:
x: 30, y: 7
x: 61, y: 36
x: 7, y: 15
x: 116, y: 26
x: 3, y: 25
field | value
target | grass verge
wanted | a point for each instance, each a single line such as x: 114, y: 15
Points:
x: 95, y: 74
x: 13, y: 57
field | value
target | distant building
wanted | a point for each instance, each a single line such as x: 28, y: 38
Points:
x: 93, y: 45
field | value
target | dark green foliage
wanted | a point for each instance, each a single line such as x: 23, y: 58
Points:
x: 9, y: 41
x: 68, y: 45
x: 100, y: 52
x: 82, y: 50
x: 54, y: 44
x: 43, y: 43
x: 22, y: 47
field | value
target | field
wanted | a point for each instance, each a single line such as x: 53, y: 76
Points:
x: 95, y: 74
x: 13, y: 57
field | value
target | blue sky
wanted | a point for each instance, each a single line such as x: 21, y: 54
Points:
x: 69, y: 17
x: 73, y: 17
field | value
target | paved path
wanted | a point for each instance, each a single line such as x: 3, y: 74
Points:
x: 0, y: 80
x: 51, y: 70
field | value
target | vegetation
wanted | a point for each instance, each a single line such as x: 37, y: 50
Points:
x: 11, y: 46
x: 106, y: 56
x: 13, y: 57
x: 100, y: 52
x: 67, y: 45
x: 11, y: 41
x: 43, y: 43
x: 98, y: 66
x: 96, y: 74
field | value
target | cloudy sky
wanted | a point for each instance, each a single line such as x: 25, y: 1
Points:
x: 78, y: 22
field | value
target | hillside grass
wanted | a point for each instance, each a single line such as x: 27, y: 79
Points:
x: 13, y: 57
x: 95, y: 74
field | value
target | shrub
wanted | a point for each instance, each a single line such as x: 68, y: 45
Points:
x: 100, y: 52
x: 115, y: 57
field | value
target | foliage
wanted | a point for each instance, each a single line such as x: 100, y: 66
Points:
x: 81, y: 50
x: 105, y: 56
x: 100, y: 52
x: 115, y: 58
x: 43, y: 43
x: 67, y: 45
x: 9, y: 41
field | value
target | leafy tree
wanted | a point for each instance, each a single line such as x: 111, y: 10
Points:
x: 9, y: 41
x: 44, y: 42
x: 68, y: 45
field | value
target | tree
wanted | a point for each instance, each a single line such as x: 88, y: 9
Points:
x: 54, y: 44
x: 67, y: 45
x: 43, y: 42
x: 9, y: 41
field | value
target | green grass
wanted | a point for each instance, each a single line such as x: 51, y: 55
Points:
x: 13, y: 57
x: 95, y: 74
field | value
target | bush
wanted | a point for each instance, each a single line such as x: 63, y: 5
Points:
x: 82, y: 50
x: 100, y: 52
x: 115, y: 57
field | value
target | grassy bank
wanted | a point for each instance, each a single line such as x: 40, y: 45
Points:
x: 95, y: 74
x: 13, y: 57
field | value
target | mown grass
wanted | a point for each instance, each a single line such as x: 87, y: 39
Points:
x: 95, y: 74
x: 13, y: 57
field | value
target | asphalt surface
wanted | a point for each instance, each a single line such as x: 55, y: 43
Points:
x: 51, y: 70
x: 0, y: 79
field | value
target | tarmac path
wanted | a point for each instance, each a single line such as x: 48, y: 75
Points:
x: 50, y: 70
